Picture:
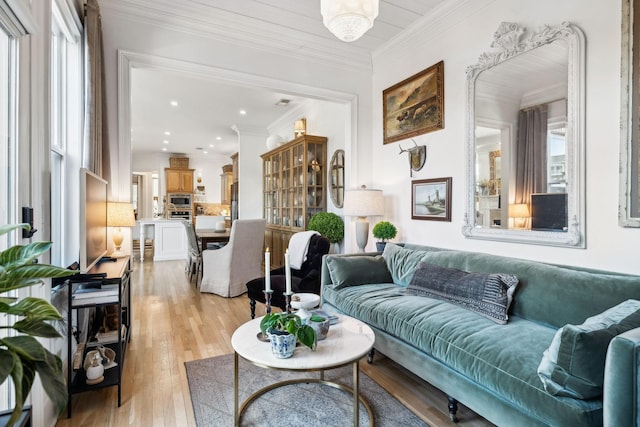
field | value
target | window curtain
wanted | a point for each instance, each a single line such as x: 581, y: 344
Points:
x: 95, y: 123
x: 531, y: 153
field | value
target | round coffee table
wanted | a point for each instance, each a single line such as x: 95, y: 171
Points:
x: 348, y: 341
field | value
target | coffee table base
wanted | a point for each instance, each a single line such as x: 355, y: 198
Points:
x: 238, y: 411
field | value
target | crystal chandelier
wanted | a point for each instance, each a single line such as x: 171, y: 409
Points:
x: 348, y: 19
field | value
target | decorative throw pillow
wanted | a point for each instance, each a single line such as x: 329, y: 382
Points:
x: 357, y: 270
x: 402, y: 262
x: 573, y: 365
x: 490, y: 295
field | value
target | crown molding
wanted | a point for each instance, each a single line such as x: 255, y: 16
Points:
x: 216, y: 24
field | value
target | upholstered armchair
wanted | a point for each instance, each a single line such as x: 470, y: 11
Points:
x: 225, y: 271
x: 306, y: 279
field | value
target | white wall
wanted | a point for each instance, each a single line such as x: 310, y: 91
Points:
x: 459, y: 42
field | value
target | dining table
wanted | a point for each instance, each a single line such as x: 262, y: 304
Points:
x: 210, y: 235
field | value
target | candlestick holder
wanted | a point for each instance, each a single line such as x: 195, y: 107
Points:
x: 267, y: 300
x: 287, y: 299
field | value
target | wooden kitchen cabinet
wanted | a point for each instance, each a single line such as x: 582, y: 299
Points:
x: 179, y: 180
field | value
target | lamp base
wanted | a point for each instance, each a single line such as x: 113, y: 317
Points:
x: 117, y: 254
x: 362, y: 233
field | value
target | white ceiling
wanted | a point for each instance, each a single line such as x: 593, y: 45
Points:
x: 208, y: 109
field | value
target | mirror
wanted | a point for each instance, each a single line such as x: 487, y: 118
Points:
x: 337, y: 178
x: 525, y: 139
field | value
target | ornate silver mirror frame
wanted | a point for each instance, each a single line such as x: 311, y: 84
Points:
x: 507, y: 41
x: 629, y: 202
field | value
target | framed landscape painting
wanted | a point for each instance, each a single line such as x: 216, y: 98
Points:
x: 431, y: 199
x: 415, y: 105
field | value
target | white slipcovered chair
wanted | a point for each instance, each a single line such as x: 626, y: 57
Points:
x: 226, y: 271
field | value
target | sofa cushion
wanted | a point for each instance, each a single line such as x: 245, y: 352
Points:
x: 357, y: 270
x: 401, y: 262
x: 573, y: 365
x: 502, y: 358
x: 487, y: 294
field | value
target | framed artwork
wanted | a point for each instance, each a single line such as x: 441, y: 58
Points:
x: 431, y: 199
x: 415, y: 105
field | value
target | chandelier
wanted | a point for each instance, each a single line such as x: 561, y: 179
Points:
x: 348, y: 19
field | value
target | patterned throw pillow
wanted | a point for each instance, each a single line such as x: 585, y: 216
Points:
x: 490, y: 295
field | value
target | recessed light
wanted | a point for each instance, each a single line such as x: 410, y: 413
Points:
x: 165, y: 142
x: 218, y: 138
x: 166, y: 132
x: 164, y: 149
x: 205, y: 152
x: 211, y: 145
x: 174, y: 103
x: 243, y: 112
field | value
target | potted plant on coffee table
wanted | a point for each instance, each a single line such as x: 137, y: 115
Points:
x: 384, y: 231
x: 22, y: 355
x: 283, y: 330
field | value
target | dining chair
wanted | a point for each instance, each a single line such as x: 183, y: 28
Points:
x: 194, y: 258
x: 226, y: 271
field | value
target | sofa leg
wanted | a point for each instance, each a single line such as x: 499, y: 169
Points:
x: 252, y: 304
x: 453, y: 408
x: 370, y: 355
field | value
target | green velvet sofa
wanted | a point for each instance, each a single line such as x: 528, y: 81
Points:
x: 490, y: 367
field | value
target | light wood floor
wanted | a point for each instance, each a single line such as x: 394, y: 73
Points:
x: 174, y: 323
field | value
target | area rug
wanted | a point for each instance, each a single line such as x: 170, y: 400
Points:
x: 211, y: 387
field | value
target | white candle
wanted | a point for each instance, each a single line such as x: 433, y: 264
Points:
x: 287, y: 271
x: 267, y: 270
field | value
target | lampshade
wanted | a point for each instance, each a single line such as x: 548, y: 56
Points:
x: 120, y: 214
x: 300, y: 127
x: 348, y: 19
x: 363, y: 202
x: 519, y: 210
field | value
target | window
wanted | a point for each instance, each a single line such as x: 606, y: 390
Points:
x: 556, y: 159
x: 66, y: 132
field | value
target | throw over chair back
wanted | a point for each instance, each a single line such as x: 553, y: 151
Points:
x: 225, y: 271
x: 306, y: 279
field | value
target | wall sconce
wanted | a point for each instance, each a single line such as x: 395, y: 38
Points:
x: 519, y: 212
x: 300, y: 127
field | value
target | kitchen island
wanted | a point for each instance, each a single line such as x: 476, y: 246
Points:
x: 169, y: 241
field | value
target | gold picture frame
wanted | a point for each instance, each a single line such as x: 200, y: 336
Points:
x: 415, y: 105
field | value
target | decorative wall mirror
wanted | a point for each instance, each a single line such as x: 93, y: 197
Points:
x: 525, y: 138
x: 629, y: 205
x: 337, y: 178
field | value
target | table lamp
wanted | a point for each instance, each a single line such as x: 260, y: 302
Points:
x: 363, y: 203
x: 119, y: 214
x: 519, y: 212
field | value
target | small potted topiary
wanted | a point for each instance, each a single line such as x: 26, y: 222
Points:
x: 384, y: 231
x: 329, y: 225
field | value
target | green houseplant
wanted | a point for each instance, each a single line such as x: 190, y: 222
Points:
x: 329, y: 225
x: 22, y: 355
x: 283, y: 324
x: 384, y: 231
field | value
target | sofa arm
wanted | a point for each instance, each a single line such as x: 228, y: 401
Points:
x: 621, y: 381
